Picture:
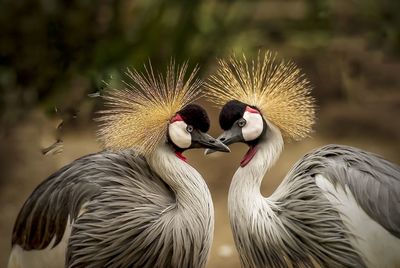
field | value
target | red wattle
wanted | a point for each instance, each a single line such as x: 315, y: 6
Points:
x: 181, y: 156
x: 248, y: 156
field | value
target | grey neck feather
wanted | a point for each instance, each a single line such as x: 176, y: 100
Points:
x: 189, y: 187
x: 193, y: 210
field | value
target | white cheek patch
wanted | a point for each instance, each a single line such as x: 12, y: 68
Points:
x: 254, y: 126
x: 178, y: 134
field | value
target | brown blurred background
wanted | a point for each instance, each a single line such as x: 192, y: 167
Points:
x: 55, y: 56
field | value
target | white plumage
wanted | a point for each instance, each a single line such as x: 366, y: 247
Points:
x: 379, y: 247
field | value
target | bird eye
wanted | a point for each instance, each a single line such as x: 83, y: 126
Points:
x: 242, y: 122
x: 189, y: 129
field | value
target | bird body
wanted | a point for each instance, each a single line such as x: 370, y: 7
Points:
x: 136, y: 204
x: 313, y: 216
x: 337, y: 207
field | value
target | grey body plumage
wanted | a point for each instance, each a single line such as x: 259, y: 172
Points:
x: 131, y: 216
x: 374, y: 181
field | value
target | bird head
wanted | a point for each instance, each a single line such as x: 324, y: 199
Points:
x: 188, y: 129
x: 241, y: 123
x: 261, y: 95
x: 156, y: 109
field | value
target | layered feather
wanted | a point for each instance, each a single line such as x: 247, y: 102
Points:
x: 277, y: 88
x: 138, y: 114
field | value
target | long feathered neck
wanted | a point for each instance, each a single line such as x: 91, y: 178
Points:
x: 189, y: 187
x: 193, y: 212
x: 250, y: 213
x: 247, y: 180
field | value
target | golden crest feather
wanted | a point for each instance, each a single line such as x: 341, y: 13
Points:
x: 138, y: 114
x: 275, y: 87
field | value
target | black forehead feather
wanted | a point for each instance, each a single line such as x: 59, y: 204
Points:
x: 230, y: 113
x: 195, y: 116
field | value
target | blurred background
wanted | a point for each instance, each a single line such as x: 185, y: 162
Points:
x: 55, y: 56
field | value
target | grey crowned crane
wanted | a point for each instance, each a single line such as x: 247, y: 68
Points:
x: 337, y: 207
x: 136, y: 204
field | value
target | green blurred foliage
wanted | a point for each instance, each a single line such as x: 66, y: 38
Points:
x: 53, y: 52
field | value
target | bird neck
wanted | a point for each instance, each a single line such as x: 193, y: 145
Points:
x: 247, y: 180
x: 248, y: 209
x: 245, y: 196
x: 189, y: 187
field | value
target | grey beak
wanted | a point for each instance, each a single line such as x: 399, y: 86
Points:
x: 203, y: 140
x: 228, y: 137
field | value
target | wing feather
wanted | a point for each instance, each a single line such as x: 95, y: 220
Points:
x: 45, y: 213
x: 374, y: 181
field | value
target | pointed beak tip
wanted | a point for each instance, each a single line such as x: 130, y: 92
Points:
x: 227, y: 149
x: 211, y: 144
x: 224, y: 149
x: 208, y: 151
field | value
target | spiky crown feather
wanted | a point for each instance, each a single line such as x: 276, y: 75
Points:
x: 139, y: 114
x: 275, y: 87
